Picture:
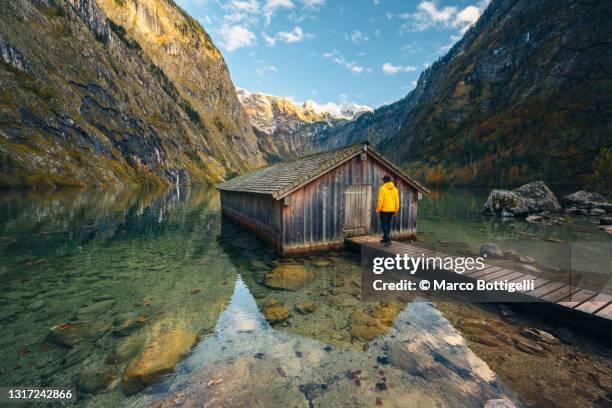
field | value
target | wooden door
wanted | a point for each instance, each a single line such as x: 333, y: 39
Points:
x: 357, y: 210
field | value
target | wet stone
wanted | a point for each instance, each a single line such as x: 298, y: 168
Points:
x: 306, y: 307
x: 289, y: 276
x: 365, y: 327
x: 70, y: 334
x: 158, y: 358
x: 95, y: 378
x: 126, y: 323
x: 528, y: 347
x: 539, y: 335
x: 274, y: 311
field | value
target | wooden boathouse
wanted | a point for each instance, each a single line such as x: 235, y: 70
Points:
x: 314, y: 203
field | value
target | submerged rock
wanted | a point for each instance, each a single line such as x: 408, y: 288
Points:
x: 367, y: 327
x: 159, y: 357
x: 492, y: 251
x: 539, y: 335
x: 126, y: 323
x: 306, y: 307
x: 499, y: 403
x: 527, y: 346
x: 529, y: 198
x: 274, y: 311
x: 70, y: 334
x: 289, y: 277
x: 386, y: 312
x: 95, y: 378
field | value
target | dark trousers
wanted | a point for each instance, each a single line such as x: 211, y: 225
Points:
x: 385, y: 224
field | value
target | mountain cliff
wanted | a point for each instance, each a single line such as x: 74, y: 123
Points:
x: 525, y: 94
x: 115, y: 92
x: 286, y: 129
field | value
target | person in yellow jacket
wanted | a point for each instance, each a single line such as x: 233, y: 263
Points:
x: 388, y: 205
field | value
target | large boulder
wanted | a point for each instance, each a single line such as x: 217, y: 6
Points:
x: 289, y: 277
x: 157, y: 359
x: 528, y: 199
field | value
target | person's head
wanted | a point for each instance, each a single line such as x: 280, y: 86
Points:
x: 386, y: 178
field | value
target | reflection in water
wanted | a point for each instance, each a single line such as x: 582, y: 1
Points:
x: 422, y: 361
x: 113, y: 272
x: 570, y: 248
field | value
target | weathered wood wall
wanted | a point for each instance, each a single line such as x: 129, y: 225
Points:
x: 259, y: 213
x: 313, y: 216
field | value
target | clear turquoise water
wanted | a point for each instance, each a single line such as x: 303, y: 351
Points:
x: 170, y: 259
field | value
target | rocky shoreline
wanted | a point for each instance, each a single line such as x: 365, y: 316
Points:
x: 537, y: 203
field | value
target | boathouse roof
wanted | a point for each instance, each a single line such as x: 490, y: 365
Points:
x: 281, y: 179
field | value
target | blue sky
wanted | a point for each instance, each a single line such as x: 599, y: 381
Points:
x: 364, y: 51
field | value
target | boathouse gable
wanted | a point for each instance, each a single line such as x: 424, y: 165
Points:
x: 313, y: 203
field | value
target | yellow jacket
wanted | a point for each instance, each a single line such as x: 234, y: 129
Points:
x: 388, y: 198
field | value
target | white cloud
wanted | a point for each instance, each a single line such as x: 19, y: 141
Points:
x: 391, y: 69
x: 466, y: 17
x: 358, y: 37
x: 296, y: 35
x: 248, y: 6
x: 293, y: 36
x: 236, y: 36
x: 429, y: 15
x: 271, y: 41
x: 339, y: 59
x: 264, y: 70
x: 313, y: 4
x: 272, y: 6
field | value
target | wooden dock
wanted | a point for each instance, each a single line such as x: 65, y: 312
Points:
x: 558, y: 296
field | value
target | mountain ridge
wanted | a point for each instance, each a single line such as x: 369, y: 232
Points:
x: 524, y: 95
x: 90, y: 98
x: 285, y: 129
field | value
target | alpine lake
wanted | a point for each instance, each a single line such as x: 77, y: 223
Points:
x: 152, y: 298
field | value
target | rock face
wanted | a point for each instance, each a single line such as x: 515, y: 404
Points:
x: 286, y: 129
x: 158, y: 358
x: 503, y: 66
x: 529, y: 198
x: 289, y: 277
x: 115, y: 93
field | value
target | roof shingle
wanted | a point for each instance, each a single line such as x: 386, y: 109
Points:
x: 282, y: 177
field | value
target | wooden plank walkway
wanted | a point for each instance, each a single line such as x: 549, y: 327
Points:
x: 565, y: 298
